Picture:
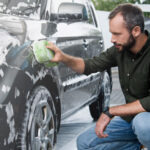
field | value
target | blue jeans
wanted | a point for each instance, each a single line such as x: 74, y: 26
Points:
x: 121, y: 135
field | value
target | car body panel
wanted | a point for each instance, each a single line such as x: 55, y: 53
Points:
x: 20, y: 73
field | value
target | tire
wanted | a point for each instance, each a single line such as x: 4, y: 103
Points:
x: 39, y: 127
x: 96, y: 107
x: 103, y: 99
x: 110, y: 78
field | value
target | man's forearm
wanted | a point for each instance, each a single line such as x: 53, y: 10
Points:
x: 75, y: 63
x: 127, y: 109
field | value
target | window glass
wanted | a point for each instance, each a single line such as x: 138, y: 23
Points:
x: 147, y: 24
x: 93, y: 16
x: 86, y: 13
x: 20, y: 7
x: 54, y: 8
x: 90, y: 17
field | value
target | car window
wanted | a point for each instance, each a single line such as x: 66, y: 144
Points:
x: 147, y: 24
x: 86, y: 13
x: 90, y: 17
x: 93, y: 15
x: 20, y: 7
x: 54, y: 8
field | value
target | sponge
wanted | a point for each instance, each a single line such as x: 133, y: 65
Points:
x: 42, y: 54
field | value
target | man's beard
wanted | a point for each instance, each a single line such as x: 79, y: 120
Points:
x: 130, y: 43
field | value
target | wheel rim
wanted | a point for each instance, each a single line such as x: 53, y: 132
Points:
x: 42, y: 130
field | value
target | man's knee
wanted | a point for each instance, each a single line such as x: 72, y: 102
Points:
x: 85, y: 139
x: 81, y: 143
x: 141, y: 127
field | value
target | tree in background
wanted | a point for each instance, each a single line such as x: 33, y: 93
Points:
x: 108, y: 5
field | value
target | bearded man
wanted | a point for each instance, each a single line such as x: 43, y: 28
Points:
x: 124, y: 127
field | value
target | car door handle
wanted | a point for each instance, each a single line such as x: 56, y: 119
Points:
x: 85, y: 44
x: 101, y: 43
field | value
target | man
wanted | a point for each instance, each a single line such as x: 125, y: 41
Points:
x: 124, y: 127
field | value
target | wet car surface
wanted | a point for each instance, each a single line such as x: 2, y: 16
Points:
x: 34, y: 97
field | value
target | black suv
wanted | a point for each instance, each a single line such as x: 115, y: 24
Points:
x: 33, y: 97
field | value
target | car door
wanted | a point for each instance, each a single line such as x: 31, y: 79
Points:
x: 74, y: 37
x: 94, y: 40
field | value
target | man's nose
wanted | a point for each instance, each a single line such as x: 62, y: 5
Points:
x: 113, y: 39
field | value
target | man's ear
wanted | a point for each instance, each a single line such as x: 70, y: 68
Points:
x: 136, y: 31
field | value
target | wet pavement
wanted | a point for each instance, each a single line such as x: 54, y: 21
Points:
x: 81, y: 121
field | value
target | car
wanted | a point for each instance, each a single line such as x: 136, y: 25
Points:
x: 146, y: 11
x: 34, y: 98
x: 147, y: 24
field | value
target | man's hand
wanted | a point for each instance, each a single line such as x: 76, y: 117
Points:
x: 58, y: 53
x: 75, y: 63
x: 101, y: 124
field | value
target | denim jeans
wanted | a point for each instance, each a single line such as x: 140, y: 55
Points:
x: 121, y: 135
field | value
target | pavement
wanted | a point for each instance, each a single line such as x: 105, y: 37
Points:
x: 73, y: 126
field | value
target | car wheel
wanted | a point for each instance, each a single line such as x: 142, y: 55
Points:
x: 39, y: 129
x: 103, y: 98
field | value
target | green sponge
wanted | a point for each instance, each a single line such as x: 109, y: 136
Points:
x: 42, y: 54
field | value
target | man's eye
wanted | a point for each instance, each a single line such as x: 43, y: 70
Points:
x: 116, y: 33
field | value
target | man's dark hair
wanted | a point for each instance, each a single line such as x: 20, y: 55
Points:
x: 132, y: 16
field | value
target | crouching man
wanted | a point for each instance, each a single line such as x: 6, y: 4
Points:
x: 124, y: 127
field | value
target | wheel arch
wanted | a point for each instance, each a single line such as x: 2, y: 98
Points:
x: 24, y: 136
x: 53, y: 87
x: 103, y: 99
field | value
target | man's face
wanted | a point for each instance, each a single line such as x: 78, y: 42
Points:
x: 121, y: 38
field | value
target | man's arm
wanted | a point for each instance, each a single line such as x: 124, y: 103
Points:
x: 75, y: 63
x: 122, y: 110
x: 127, y: 109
